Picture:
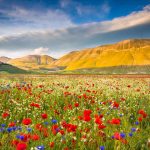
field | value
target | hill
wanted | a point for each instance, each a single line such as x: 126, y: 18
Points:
x: 4, y: 59
x: 6, y: 68
x: 132, y: 52
x: 32, y: 62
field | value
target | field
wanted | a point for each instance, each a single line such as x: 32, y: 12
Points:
x: 74, y: 112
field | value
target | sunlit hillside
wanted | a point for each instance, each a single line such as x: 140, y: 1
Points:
x: 32, y: 62
x: 127, y: 52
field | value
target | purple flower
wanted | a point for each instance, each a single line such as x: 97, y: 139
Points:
x: 133, y: 129
x: 130, y: 134
x: 3, y: 125
x: 9, y: 129
x: 21, y: 137
x: 136, y: 122
x: 54, y: 121
x: 102, y: 148
x: 123, y: 135
x: 40, y: 147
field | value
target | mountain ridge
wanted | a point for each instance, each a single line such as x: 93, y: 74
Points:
x: 126, y: 52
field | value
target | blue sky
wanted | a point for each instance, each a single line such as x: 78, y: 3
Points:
x: 56, y: 27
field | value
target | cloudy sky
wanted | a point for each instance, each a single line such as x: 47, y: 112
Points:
x: 56, y: 27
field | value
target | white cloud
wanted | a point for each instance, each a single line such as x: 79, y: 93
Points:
x: 133, y: 19
x: 23, y: 20
x: 67, y: 39
x: 99, y: 11
x: 40, y: 51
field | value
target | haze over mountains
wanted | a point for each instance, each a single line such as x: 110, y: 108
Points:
x: 131, y: 52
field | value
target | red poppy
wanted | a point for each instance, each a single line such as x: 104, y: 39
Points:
x: 55, y: 129
x: 62, y: 132
x: 98, y: 120
x: 101, y: 126
x: 14, y: 142
x: 71, y: 128
x: 12, y: 124
x: 35, y: 137
x: 44, y: 116
x: 141, y: 111
x: 5, y: 115
x: 80, y: 117
x: 39, y: 127
x: 87, y: 112
x: 45, y: 132
x: 35, y: 105
x: 76, y: 104
x: 26, y: 121
x: 144, y: 115
x: 140, y: 119
x: 115, y: 121
x: 115, y: 105
x: 117, y: 136
x: 21, y: 146
x: 87, y: 118
x: 52, y: 144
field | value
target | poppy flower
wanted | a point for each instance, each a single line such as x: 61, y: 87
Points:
x: 115, y: 105
x: 44, y: 116
x: 35, y: 137
x: 87, y: 118
x: 21, y: 146
x: 38, y: 127
x: 12, y: 124
x: 115, y: 121
x: 140, y: 119
x: 80, y: 117
x: 52, y: 144
x: 144, y: 115
x: 117, y: 136
x: 98, y: 120
x: 26, y: 121
x: 101, y: 126
x: 14, y: 142
x: 55, y: 129
x: 141, y: 111
x: 5, y: 115
x: 76, y: 104
x: 62, y: 132
x: 71, y: 128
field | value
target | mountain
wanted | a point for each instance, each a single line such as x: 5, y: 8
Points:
x: 6, y: 68
x: 32, y: 62
x: 4, y: 59
x: 125, y: 53
x: 127, y: 56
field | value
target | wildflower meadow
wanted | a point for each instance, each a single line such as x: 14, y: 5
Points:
x: 75, y: 112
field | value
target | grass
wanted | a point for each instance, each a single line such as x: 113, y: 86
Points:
x: 11, y: 69
x: 111, y: 70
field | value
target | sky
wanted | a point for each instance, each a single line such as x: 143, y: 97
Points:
x: 56, y: 27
